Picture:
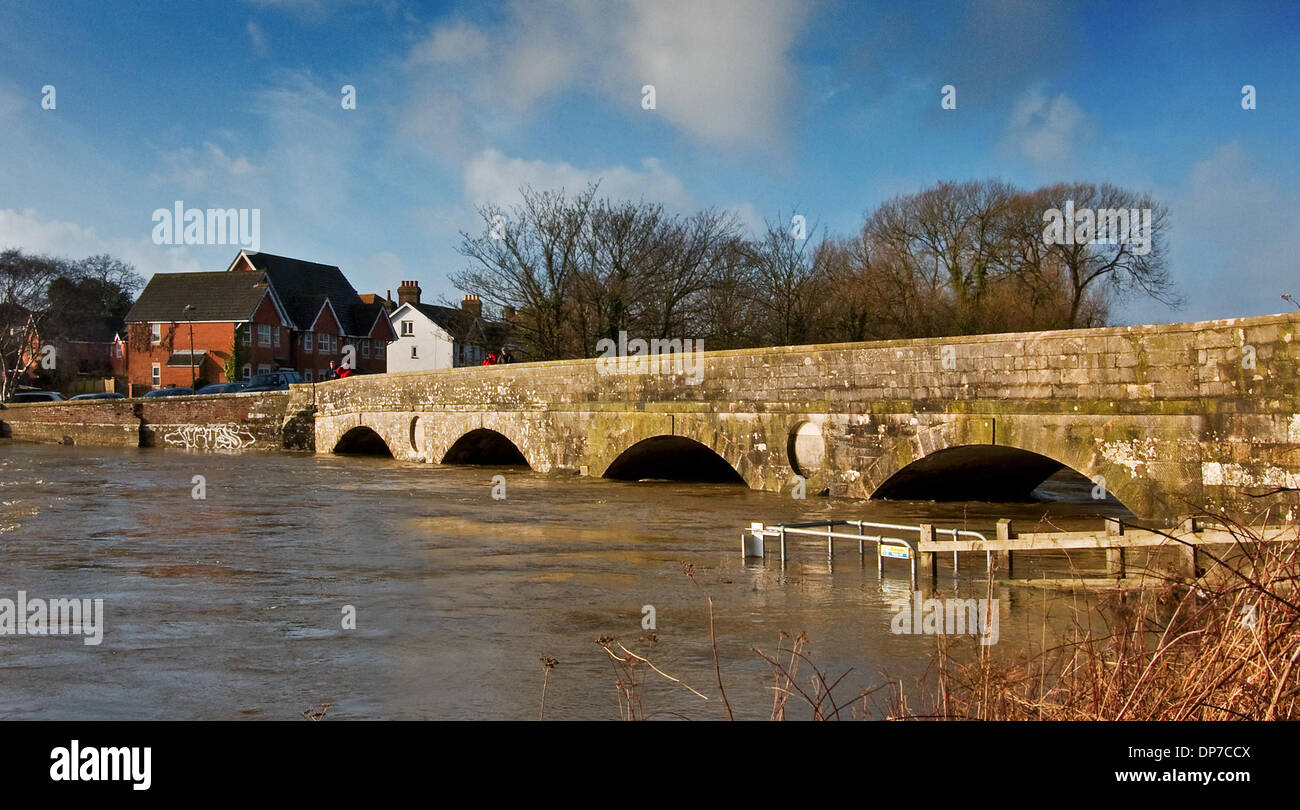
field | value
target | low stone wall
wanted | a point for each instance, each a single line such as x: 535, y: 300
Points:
x: 229, y: 422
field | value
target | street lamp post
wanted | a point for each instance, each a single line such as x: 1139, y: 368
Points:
x: 189, y: 316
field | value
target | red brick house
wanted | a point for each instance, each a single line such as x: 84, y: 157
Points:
x: 160, y: 350
x: 286, y: 313
x: 325, y: 313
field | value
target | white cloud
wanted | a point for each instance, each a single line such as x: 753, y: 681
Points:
x: 492, y: 177
x: 750, y: 217
x: 1047, y: 130
x: 456, y: 42
x: 192, y: 169
x: 28, y: 230
x: 721, y: 71
x: 258, y: 38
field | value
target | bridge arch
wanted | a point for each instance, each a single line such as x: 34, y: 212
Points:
x: 673, y: 458
x: 988, y: 472
x: 362, y: 441
x: 487, y: 447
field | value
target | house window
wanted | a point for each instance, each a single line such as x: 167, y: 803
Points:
x: 277, y: 337
x: 155, y: 333
x: 157, y: 375
x: 324, y: 342
x: 263, y: 368
x: 248, y: 371
x: 414, y: 356
x: 324, y: 374
x: 379, y: 349
x: 365, y: 348
x: 306, y: 341
x: 408, y: 328
x: 264, y: 334
x: 306, y: 374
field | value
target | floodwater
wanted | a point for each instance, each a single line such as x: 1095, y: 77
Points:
x: 232, y: 606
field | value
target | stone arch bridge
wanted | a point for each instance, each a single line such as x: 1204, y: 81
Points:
x: 1172, y: 418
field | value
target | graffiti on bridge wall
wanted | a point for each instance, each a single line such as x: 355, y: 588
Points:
x: 228, y: 436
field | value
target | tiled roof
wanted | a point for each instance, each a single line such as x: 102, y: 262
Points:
x: 215, y: 296
x: 367, y: 314
x: 303, y: 287
x: 456, y: 321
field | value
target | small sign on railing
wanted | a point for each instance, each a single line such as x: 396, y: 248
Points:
x: 895, y: 552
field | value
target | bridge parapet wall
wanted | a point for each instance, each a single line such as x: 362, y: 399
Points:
x: 1141, y: 369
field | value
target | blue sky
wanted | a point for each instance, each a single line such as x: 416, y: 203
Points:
x: 762, y: 107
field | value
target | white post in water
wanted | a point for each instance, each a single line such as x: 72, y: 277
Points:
x: 751, y: 545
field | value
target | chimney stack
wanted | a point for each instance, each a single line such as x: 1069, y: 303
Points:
x: 408, y: 293
x: 472, y: 305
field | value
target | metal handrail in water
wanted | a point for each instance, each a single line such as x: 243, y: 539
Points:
x: 814, y: 529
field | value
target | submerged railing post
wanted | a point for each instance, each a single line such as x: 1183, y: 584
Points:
x: 1114, y: 554
x: 1002, y: 559
x: 929, y: 558
x: 782, y: 545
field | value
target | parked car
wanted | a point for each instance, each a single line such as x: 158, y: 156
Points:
x: 221, y: 388
x: 273, y: 381
x: 170, y: 392
x: 37, y: 396
x: 99, y: 395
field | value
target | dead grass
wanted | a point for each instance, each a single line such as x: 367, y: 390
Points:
x: 1216, y: 650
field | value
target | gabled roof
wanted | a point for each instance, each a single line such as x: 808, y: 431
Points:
x: 325, y: 306
x: 304, y: 287
x: 215, y: 296
x: 368, y: 314
x: 455, y: 322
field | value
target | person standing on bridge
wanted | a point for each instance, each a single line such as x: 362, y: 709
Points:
x: 490, y: 360
x: 505, y: 356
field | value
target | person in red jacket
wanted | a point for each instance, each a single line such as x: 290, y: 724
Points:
x: 490, y: 360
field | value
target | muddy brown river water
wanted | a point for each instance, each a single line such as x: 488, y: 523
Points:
x: 232, y: 606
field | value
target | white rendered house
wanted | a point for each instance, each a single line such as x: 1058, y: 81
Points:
x: 433, y: 337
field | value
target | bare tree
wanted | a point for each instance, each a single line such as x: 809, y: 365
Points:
x: 24, y: 283
x: 527, y: 258
x: 622, y: 247
x: 1126, y: 266
x: 955, y: 258
x: 694, y: 253
x: 789, y: 283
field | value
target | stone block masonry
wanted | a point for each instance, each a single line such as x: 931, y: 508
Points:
x: 233, y: 422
